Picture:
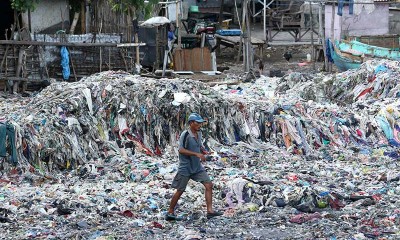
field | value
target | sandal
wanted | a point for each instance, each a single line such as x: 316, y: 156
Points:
x: 172, y: 217
x: 214, y: 214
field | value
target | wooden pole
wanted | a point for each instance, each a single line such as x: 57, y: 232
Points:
x: 109, y: 59
x: 101, y: 60
x: 312, y: 36
x: 29, y: 21
x: 243, y: 30
x: 203, y: 40
x: 221, y: 13
x: 333, y: 22
x: 246, y: 55
x: 73, y: 66
x: 265, y: 19
x: 123, y: 58
x: 74, y: 22
x: 137, y: 49
x: 157, y: 63
x: 87, y: 17
x: 7, y: 47
x: 250, y: 53
x: 178, y: 22
x: 322, y: 36
x: 19, y: 68
x: 136, y: 36
x: 83, y: 24
x: 70, y: 44
x: 165, y: 62
x: 254, y: 10
x: 332, y: 30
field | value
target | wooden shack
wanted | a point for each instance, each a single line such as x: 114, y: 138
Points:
x: 104, y: 39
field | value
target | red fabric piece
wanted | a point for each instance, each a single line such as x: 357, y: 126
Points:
x: 157, y: 225
x: 359, y: 133
x: 158, y: 151
x: 365, y: 91
x: 127, y: 213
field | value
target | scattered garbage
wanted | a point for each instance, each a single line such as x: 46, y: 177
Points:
x: 300, y: 157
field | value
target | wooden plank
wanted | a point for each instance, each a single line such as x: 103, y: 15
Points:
x: 131, y: 44
x: 184, y: 72
x: 21, y: 79
x: 187, y: 56
x: 68, y: 44
x: 207, y: 64
x: 197, y: 60
x: 236, y: 39
x: 2, y: 85
x: 178, y: 64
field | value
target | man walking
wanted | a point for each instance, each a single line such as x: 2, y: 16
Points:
x: 191, y: 152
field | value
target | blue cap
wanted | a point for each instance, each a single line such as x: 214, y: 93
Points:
x: 195, y: 117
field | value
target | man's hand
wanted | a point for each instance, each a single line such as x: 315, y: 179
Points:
x: 205, y: 152
x: 202, y: 157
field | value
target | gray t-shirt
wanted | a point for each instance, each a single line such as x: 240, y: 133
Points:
x: 189, y: 165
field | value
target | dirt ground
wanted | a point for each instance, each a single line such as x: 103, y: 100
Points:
x: 275, y: 65
x: 273, y: 60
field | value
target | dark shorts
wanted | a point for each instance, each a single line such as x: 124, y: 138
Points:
x: 180, y: 182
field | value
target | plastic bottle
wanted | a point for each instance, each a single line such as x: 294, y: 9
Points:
x: 308, y: 57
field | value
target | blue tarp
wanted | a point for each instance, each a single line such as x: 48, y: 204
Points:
x: 65, y: 62
x: 229, y: 32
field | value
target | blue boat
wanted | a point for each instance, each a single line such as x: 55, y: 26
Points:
x: 350, y: 54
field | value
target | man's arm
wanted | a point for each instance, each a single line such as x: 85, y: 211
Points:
x: 191, y: 153
x: 204, y: 151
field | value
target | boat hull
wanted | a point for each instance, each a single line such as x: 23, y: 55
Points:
x: 350, y: 54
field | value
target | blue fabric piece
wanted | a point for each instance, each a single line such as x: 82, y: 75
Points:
x: 380, y: 68
x: 340, y: 7
x: 385, y: 126
x: 328, y: 50
x: 394, y: 154
x: 341, y: 120
x: 351, y: 7
x: 65, y: 62
x: 365, y: 151
x: 307, y: 148
x: 7, y: 131
x: 236, y: 132
x: 394, y: 143
x: 171, y: 36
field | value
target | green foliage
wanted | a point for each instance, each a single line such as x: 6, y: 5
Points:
x: 75, y: 5
x: 24, y: 5
x: 134, y: 5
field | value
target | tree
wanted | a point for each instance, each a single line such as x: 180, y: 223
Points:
x: 24, y: 5
x: 133, y: 7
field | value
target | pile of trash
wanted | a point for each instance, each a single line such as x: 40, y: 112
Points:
x: 374, y: 81
x: 113, y: 114
x: 95, y: 159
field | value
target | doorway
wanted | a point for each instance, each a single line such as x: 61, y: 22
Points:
x: 6, y: 19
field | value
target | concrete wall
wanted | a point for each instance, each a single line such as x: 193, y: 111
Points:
x: 374, y: 23
x: 394, y: 21
x: 48, y: 13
